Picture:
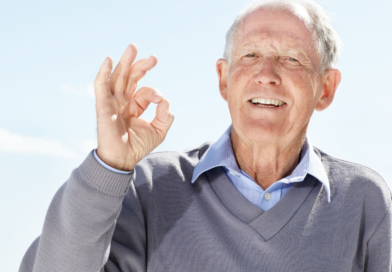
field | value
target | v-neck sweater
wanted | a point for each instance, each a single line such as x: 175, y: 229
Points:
x: 157, y: 220
x: 221, y: 154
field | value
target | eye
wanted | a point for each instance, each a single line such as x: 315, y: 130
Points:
x: 250, y: 55
x: 292, y: 59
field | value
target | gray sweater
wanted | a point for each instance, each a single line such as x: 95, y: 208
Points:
x: 156, y: 220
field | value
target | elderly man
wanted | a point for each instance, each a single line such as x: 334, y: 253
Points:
x: 261, y: 198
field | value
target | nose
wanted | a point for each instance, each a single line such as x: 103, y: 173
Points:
x: 267, y: 73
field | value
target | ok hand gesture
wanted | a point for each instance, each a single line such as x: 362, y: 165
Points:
x: 124, y: 138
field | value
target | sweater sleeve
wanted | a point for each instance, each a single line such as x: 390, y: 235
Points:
x: 80, y: 223
x: 379, y: 249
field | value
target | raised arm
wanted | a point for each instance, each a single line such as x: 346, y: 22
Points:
x: 82, y: 216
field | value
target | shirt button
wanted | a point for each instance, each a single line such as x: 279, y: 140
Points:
x: 232, y: 173
x: 267, y: 196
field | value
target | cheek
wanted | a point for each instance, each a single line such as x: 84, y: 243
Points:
x: 305, y: 83
x: 304, y: 86
x: 236, y: 81
x: 314, y: 80
x: 242, y: 73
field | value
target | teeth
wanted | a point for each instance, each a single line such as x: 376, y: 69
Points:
x: 267, y: 101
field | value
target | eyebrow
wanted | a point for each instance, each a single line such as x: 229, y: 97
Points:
x: 297, y: 50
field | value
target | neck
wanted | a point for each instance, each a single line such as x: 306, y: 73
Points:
x: 267, y: 163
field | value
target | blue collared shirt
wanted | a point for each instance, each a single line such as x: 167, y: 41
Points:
x: 220, y: 154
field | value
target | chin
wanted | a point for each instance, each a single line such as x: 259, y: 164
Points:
x: 259, y: 131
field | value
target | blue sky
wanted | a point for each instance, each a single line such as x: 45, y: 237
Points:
x: 50, y: 54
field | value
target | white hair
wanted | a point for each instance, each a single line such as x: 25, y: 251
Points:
x: 327, y: 41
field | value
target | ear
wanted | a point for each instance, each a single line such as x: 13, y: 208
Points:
x: 331, y: 80
x: 221, y: 70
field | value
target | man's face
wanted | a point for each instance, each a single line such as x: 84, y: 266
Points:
x: 273, y: 58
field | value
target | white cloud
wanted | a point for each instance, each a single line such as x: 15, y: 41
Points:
x: 12, y: 142
x: 88, y: 145
x: 86, y: 90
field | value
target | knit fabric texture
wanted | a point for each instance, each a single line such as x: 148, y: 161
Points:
x: 157, y: 220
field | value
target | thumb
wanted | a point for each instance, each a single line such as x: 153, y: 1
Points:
x: 163, y: 118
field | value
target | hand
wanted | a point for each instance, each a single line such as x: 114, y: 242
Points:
x: 124, y: 138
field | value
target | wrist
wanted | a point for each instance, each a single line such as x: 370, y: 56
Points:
x: 114, y: 162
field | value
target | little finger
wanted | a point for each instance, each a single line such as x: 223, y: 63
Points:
x: 101, y: 83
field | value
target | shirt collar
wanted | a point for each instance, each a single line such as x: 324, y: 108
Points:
x: 221, y: 154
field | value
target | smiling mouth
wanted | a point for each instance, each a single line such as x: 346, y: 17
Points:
x: 267, y: 103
